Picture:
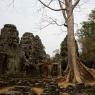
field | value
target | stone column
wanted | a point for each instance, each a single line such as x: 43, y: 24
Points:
x: 49, y: 71
x: 38, y: 70
x: 59, y: 70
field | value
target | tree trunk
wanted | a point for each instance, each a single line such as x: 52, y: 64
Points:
x: 76, y: 72
x: 73, y: 72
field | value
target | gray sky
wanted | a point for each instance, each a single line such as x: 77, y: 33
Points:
x: 28, y: 17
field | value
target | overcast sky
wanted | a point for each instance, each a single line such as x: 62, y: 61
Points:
x: 28, y: 16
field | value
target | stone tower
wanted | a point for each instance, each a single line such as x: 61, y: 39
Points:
x: 9, y: 49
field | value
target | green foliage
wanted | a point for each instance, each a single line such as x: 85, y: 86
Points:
x: 87, y: 40
x: 63, y: 53
x: 63, y: 49
x: 57, y: 57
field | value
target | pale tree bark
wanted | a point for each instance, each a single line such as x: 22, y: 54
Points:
x: 71, y: 42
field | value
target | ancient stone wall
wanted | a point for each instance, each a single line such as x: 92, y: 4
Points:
x: 25, y: 56
x: 9, y: 49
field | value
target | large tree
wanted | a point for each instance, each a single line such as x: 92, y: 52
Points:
x: 74, y: 74
x: 64, y: 52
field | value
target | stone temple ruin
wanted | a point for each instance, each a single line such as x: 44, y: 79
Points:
x: 26, y: 69
x: 25, y: 56
x: 9, y: 49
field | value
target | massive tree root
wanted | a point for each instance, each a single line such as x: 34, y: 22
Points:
x: 85, y: 74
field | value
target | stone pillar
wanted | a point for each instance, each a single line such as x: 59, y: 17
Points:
x: 59, y: 70
x: 49, y: 71
x: 38, y: 70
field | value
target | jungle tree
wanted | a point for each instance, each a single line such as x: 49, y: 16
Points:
x: 73, y: 69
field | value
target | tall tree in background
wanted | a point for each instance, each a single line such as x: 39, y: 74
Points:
x: 74, y: 75
x: 87, y: 39
x: 64, y: 53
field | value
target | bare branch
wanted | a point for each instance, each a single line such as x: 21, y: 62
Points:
x: 50, y: 7
x: 55, y: 22
x: 61, y: 1
x: 63, y: 11
x: 50, y: 2
x: 46, y: 25
x: 75, y: 4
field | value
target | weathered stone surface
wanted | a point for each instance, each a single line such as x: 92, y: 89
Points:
x: 26, y: 56
x: 33, y: 48
x: 34, y: 53
x: 9, y: 49
x: 26, y: 45
x: 22, y: 56
x: 27, y: 48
